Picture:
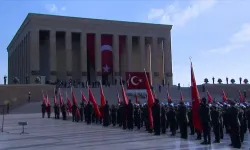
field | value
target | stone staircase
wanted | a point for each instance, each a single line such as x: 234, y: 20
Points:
x: 17, y: 95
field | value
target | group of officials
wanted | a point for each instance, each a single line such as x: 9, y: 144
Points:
x: 233, y: 118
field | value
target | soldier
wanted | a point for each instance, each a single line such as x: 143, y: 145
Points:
x: 63, y: 110
x: 55, y: 110
x: 89, y: 112
x: 48, y: 110
x: 163, y: 119
x: 113, y: 115
x: 243, y: 123
x: 74, y: 109
x: 183, y: 120
x: 205, y: 121
x: 234, y: 126
x: 124, y: 116
x: 106, y: 115
x: 77, y: 116
x: 215, y: 116
x: 137, y: 117
x: 81, y: 111
x: 171, y: 116
x: 119, y: 115
x: 156, y: 111
x: 190, y: 118
x: 43, y: 109
x: 130, y: 115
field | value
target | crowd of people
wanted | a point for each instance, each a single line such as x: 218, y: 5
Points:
x: 232, y: 118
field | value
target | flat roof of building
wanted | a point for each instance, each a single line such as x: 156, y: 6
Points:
x: 32, y: 16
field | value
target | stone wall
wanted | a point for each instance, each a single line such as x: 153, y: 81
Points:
x: 17, y: 95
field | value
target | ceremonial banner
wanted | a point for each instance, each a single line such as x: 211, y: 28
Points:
x: 107, y: 54
x: 136, y: 80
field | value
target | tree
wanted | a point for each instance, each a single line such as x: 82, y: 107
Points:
x: 38, y: 80
x: 206, y: 80
x: 213, y: 79
x: 15, y: 80
x: 227, y: 80
x: 232, y: 81
x: 245, y: 81
x: 240, y: 80
x: 219, y: 81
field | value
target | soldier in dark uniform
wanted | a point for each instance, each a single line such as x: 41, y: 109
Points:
x: 138, y: 117
x: 163, y: 119
x: 215, y: 116
x: 48, y: 110
x: 63, y: 110
x: 113, y: 115
x: 243, y: 127
x: 43, y: 109
x: 81, y: 111
x: 190, y: 118
x: 183, y: 120
x: 74, y: 108
x: 205, y: 121
x: 145, y: 117
x: 106, y: 114
x: 171, y: 116
x: 234, y: 126
x: 85, y: 113
x: 89, y: 112
x: 119, y: 115
x: 55, y: 110
x: 77, y: 116
x: 124, y: 116
x: 130, y: 115
x: 156, y: 111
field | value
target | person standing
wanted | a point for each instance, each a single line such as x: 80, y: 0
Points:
x: 205, y: 121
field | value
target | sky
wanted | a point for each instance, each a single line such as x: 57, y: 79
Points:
x: 214, y: 33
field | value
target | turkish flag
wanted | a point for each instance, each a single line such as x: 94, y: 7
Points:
x: 196, y: 102
x: 136, y: 80
x: 107, y: 53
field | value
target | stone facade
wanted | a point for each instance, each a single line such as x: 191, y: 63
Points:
x: 56, y: 47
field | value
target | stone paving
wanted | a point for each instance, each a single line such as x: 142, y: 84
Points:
x: 51, y: 134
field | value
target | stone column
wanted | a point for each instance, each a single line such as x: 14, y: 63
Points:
x: 142, y: 53
x: 129, y: 52
x: 68, y: 46
x: 98, y: 57
x: 34, y: 55
x: 116, y: 65
x: 83, y: 57
x: 168, y: 60
x: 53, y: 58
x: 154, y: 61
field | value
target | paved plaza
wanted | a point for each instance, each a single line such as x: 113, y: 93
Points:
x: 51, y: 134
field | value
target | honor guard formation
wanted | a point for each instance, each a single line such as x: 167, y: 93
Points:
x: 229, y: 118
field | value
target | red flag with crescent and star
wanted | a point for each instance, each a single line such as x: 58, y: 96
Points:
x: 195, y: 102
x: 107, y: 54
x: 136, y: 80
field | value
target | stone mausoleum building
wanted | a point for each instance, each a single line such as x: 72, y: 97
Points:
x: 58, y: 47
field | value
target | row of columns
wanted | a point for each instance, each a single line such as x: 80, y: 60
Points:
x: 98, y: 68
